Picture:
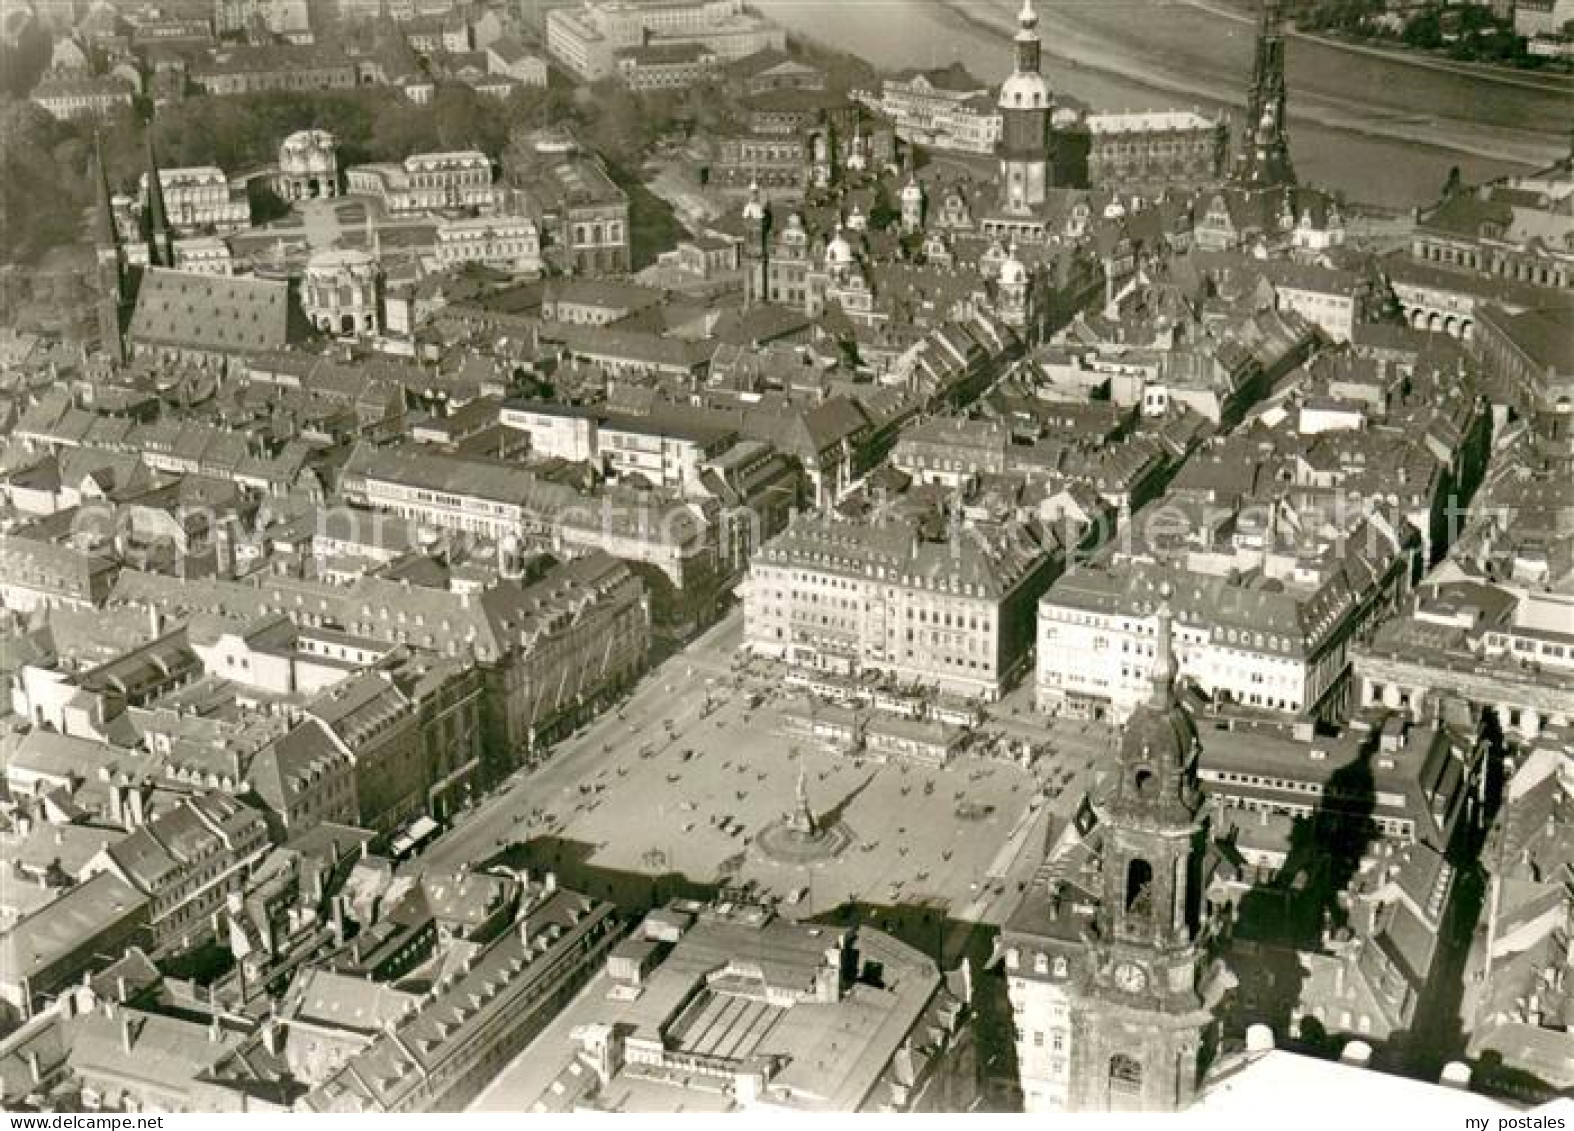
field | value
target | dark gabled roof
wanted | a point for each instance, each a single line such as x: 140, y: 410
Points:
x: 1464, y: 214
x: 213, y: 313
x: 955, y: 78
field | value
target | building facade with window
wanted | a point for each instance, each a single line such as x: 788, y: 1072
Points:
x: 505, y: 243
x: 940, y: 109
x: 954, y: 614
x: 202, y: 199
x: 1260, y: 644
x: 428, y: 182
x: 1161, y: 147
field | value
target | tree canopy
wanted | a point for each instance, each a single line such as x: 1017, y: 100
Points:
x: 48, y: 165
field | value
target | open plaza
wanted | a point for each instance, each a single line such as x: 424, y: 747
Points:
x: 682, y: 778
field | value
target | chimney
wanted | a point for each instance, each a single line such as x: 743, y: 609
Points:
x: 135, y: 814
x: 155, y: 622
x: 125, y: 1034
x: 271, y: 1037
x: 1456, y: 1075
x: 549, y: 881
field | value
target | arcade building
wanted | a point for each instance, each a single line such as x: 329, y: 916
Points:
x: 308, y: 166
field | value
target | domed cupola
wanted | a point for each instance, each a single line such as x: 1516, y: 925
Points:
x: 1158, y: 748
x: 1026, y: 87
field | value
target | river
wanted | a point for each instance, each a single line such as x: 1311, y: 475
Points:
x: 1384, y: 129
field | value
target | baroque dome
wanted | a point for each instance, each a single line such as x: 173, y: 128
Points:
x: 1025, y: 90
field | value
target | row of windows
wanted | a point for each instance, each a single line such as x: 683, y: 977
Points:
x: 1520, y: 644
x: 1055, y: 1040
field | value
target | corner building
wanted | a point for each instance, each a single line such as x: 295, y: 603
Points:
x: 852, y: 597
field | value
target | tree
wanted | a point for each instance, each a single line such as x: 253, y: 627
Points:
x: 1425, y: 31
x: 883, y: 212
x: 534, y: 107
x: 24, y: 60
x: 1452, y: 185
x: 462, y: 122
x: 618, y: 126
x: 39, y: 202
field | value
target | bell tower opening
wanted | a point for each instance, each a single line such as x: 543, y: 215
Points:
x: 1125, y: 1075
x: 1139, y: 887
x: 1142, y: 781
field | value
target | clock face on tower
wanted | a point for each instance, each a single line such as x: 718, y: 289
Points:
x: 1131, y: 978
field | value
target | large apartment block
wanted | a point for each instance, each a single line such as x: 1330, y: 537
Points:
x: 1250, y: 642
x: 855, y: 597
x: 588, y: 39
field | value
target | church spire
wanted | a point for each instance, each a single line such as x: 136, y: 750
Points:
x: 1264, y: 158
x: 1159, y: 740
x: 111, y: 302
x: 105, y: 235
x: 161, y: 242
x: 1028, y: 44
x: 1166, y: 669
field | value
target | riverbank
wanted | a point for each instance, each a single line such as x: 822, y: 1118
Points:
x: 1156, y: 45
x: 1384, y: 134
x: 1410, y: 57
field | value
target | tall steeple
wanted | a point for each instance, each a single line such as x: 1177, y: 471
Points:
x: 1166, y: 668
x: 1026, y: 104
x: 161, y: 240
x: 1142, y: 1021
x: 758, y: 219
x: 1159, y: 743
x: 111, y: 265
x: 1028, y: 45
x: 1264, y: 157
x: 105, y: 234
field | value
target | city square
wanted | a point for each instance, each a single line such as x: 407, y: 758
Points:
x: 631, y: 794
x: 787, y: 558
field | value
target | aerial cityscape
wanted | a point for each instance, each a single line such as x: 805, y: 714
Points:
x: 787, y: 556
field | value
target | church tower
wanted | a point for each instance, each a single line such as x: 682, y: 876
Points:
x: 1012, y: 286
x: 912, y: 205
x: 111, y: 267
x: 1142, y: 1028
x: 1264, y: 157
x: 757, y: 222
x: 1025, y: 108
x: 161, y: 240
